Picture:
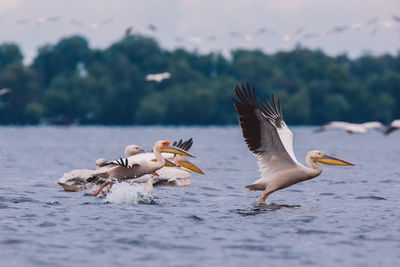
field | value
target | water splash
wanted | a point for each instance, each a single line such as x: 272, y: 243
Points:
x: 127, y: 193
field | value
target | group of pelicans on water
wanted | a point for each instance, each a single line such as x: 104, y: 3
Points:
x: 264, y: 131
x: 165, y: 165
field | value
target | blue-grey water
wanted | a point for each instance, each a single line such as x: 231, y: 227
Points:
x: 347, y: 216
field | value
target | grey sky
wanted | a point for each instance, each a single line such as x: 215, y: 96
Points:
x: 203, y: 18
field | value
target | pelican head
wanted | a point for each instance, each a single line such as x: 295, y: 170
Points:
x: 164, y: 146
x: 319, y: 156
x: 132, y: 150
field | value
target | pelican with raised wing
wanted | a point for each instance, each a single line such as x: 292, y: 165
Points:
x: 137, y: 165
x: 269, y: 138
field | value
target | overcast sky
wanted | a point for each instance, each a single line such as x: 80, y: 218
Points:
x: 193, y: 19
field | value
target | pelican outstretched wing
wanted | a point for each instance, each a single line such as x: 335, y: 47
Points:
x: 264, y: 131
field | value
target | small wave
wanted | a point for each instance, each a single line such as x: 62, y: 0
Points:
x: 262, y: 208
x: 126, y: 193
x: 371, y: 197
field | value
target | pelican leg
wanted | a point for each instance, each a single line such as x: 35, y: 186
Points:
x: 264, y: 195
x: 109, y: 188
x: 95, y: 193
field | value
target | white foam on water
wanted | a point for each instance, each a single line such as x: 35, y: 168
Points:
x: 127, y: 193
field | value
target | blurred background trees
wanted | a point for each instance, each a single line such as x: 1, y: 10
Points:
x: 70, y: 82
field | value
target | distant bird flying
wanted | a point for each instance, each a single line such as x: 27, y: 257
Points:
x: 159, y: 77
x: 140, y: 30
x: 351, y: 127
x: 38, y: 20
x: 5, y: 91
x: 269, y: 139
x: 92, y: 25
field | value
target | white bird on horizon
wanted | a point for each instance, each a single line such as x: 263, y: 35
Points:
x: 158, y: 77
x: 394, y: 125
x: 5, y: 91
x: 351, y: 127
x: 94, y: 25
x: 38, y: 20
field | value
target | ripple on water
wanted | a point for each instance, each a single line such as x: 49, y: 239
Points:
x: 53, y: 203
x: 305, y: 219
x: 12, y: 241
x: 18, y: 200
x: 315, y: 232
x: 260, y: 209
x: 142, y: 243
x: 195, y: 218
x: 47, y: 224
x: 370, y: 197
x: 326, y: 194
x: 249, y: 247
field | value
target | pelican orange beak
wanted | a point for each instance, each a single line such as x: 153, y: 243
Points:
x: 175, y: 150
x: 190, y: 166
x: 333, y: 161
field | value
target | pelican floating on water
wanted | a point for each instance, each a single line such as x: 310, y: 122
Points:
x: 83, y: 179
x: 129, y: 151
x: 269, y: 138
x: 351, y: 127
x: 178, y: 175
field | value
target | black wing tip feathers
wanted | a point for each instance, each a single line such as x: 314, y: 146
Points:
x: 185, y: 145
x: 246, y: 96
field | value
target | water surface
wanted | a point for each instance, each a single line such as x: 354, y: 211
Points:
x: 348, y: 215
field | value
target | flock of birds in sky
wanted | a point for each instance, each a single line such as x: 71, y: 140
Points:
x: 264, y: 131
x: 373, y: 25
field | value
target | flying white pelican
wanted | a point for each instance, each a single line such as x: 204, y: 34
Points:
x: 83, y: 179
x: 395, y: 125
x: 268, y: 137
x: 351, y: 127
x: 137, y: 165
x: 159, y: 77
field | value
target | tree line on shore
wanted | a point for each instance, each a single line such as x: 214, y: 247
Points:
x: 69, y: 82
